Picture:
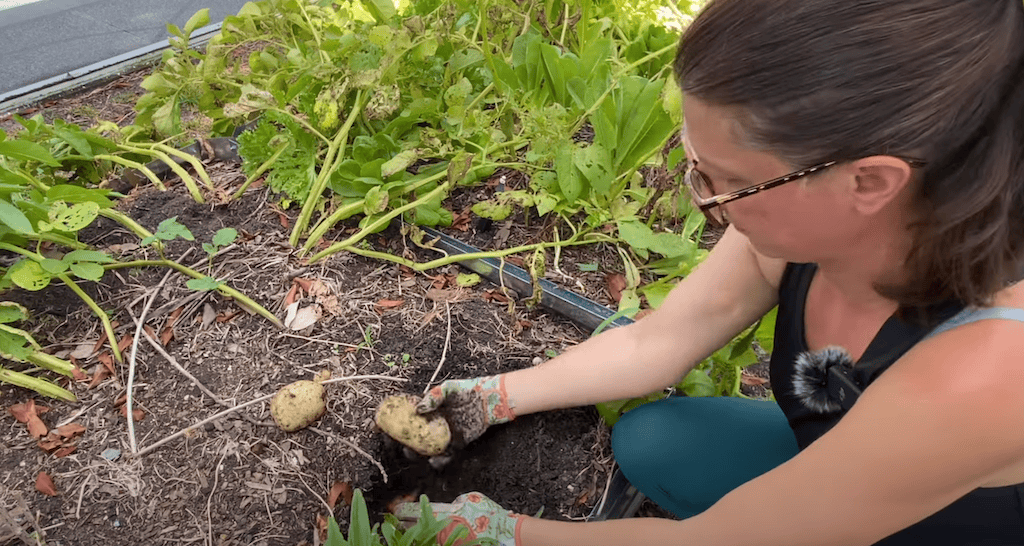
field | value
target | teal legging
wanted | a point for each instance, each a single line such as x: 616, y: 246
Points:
x: 686, y: 453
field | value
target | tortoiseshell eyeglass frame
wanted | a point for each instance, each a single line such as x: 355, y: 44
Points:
x: 710, y: 205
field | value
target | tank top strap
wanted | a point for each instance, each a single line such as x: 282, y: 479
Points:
x: 974, y: 314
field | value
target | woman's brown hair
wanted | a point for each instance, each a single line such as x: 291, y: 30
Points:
x: 943, y: 80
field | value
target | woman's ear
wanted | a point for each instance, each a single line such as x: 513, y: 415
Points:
x: 878, y: 181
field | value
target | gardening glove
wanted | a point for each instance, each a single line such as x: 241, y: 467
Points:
x: 470, y: 405
x: 473, y: 512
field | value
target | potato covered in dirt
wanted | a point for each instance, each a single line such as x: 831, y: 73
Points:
x: 297, y: 405
x: 427, y: 435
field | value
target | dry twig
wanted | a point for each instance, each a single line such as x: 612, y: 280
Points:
x: 444, y: 352
x: 228, y: 411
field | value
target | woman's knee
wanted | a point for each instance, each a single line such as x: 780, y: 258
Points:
x: 650, y: 435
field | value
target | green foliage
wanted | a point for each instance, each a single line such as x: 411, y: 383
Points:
x: 718, y: 375
x: 392, y: 533
x: 19, y: 346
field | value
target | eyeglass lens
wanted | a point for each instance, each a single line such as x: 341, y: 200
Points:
x: 701, y: 186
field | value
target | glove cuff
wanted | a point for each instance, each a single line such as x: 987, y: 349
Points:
x: 495, y: 400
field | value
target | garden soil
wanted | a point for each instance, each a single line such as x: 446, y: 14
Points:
x: 238, y: 479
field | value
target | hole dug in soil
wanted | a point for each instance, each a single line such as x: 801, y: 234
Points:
x: 240, y: 480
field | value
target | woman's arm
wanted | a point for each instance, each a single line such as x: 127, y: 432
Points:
x: 725, y: 294
x: 944, y: 420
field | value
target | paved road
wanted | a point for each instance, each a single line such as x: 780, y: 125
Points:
x: 40, y: 39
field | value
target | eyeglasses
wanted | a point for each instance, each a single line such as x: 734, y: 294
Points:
x: 703, y: 193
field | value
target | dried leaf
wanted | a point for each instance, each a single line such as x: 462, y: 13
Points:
x: 615, y: 284
x: 51, y: 442
x: 36, y: 427
x: 99, y: 375
x: 83, y: 351
x: 125, y: 342
x: 303, y: 318
x: 341, y: 490
x: 515, y: 260
x: 281, y: 217
x: 137, y: 413
x: 227, y: 315
x: 79, y: 374
x: 209, y: 315
x: 70, y: 430
x: 390, y: 304
x: 107, y: 360
x: 24, y: 411
x: 494, y: 295
x: 44, y: 484
x: 292, y: 295
x: 65, y: 451
x: 752, y: 381
x: 290, y: 311
x: 461, y: 221
x: 166, y: 335
x: 303, y: 283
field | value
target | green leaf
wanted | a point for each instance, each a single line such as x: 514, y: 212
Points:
x: 636, y: 234
x: 359, y: 520
x: 381, y: 10
x: 595, y: 164
x: 29, y: 275
x: 200, y: 19
x: 589, y: 268
x: 399, y: 163
x: 204, y: 284
x: 171, y: 229
x: 766, y: 331
x: 14, y: 347
x: 87, y: 270
x: 334, y: 535
x: 76, y: 194
x: 656, y: 294
x: 13, y: 218
x: 225, y: 236
x: 698, y: 384
x: 54, y: 267
x: 671, y: 245
x: 12, y: 312
x: 73, y: 218
x: 27, y: 151
x: 88, y: 256
x: 492, y: 209
x: 209, y: 248
x: 376, y: 201
x: 569, y: 179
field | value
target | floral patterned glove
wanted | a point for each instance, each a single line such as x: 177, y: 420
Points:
x: 481, y: 516
x: 470, y: 405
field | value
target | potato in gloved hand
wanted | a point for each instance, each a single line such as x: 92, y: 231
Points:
x: 426, y: 435
x: 469, y: 405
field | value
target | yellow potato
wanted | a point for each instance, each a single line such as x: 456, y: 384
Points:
x: 426, y: 435
x: 298, y: 405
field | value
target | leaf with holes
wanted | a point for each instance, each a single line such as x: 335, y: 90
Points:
x: 29, y: 275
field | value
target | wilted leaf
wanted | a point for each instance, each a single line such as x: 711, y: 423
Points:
x: 615, y: 283
x: 341, y: 490
x: 24, y: 411
x: 45, y: 485
x: 303, y: 318
x: 107, y: 360
x: 70, y: 430
x: 126, y: 341
x: 390, y: 304
x: 65, y: 451
x: 166, y: 335
x: 99, y: 375
x: 50, y: 442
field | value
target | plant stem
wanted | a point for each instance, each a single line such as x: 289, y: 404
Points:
x: 104, y: 319
x: 259, y: 172
x: 377, y: 224
x: 134, y: 165
x: 345, y: 211
x: 41, y: 386
x: 190, y: 159
x: 223, y: 288
x: 336, y: 148
x: 440, y: 262
x: 190, y: 182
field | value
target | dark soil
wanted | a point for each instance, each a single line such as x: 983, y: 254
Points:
x: 240, y: 480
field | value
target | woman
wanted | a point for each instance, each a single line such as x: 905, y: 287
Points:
x: 892, y: 136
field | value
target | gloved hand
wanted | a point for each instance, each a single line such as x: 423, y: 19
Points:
x: 471, y: 405
x: 479, y: 515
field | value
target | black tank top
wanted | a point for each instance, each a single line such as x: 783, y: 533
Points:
x: 989, y: 516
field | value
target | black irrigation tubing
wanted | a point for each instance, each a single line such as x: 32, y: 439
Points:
x: 619, y: 501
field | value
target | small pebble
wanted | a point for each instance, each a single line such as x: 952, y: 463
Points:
x: 111, y: 454
x: 537, y: 360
